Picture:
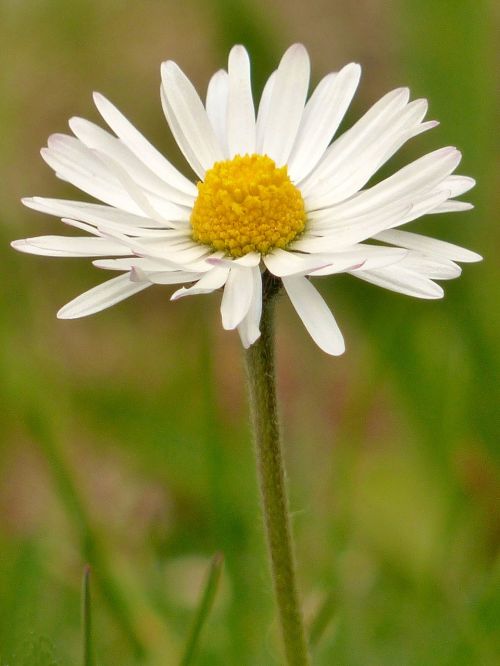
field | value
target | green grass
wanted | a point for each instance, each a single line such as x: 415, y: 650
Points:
x: 124, y: 437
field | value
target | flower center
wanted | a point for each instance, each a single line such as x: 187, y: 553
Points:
x: 247, y: 204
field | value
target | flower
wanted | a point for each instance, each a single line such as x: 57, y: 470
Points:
x: 274, y: 193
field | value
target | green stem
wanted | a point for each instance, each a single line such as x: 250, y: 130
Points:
x: 88, y: 658
x: 271, y: 473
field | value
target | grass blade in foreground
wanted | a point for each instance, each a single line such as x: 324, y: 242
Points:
x: 322, y: 620
x: 204, y: 608
x: 88, y: 656
x: 41, y: 427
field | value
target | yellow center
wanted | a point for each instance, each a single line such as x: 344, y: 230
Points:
x: 247, y: 204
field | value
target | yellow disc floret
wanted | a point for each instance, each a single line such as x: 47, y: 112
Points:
x: 247, y: 204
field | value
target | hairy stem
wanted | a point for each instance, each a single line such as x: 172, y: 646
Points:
x: 271, y: 474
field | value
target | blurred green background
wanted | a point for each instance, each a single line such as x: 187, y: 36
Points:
x: 125, y: 440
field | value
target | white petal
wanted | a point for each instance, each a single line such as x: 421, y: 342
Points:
x: 247, y: 260
x: 424, y: 127
x: 86, y: 172
x: 342, y: 233
x: 452, y: 206
x: 237, y: 297
x: 105, y: 178
x: 280, y: 262
x: 403, y: 281
x: 162, y: 211
x: 212, y: 280
x: 88, y: 228
x: 352, y: 142
x: 186, y: 255
x: 189, y: 255
x: 263, y: 113
x: 95, y: 214
x: 322, y: 116
x: 352, y: 174
x: 315, y: 314
x: 329, y: 221
x: 250, y: 259
x: 104, y: 228
x: 101, y: 297
x: 362, y: 257
x: 417, y: 177
x: 168, y: 277
x: 190, y: 116
x: 240, y: 109
x: 137, y: 143
x: 431, y: 267
x: 72, y: 151
x: 95, y: 137
x: 179, y: 254
x: 216, y: 105
x: 179, y: 136
x: 287, y: 104
x: 428, y: 245
x: 249, y: 330
x: 128, y: 263
x: 458, y: 184
x: 68, y: 246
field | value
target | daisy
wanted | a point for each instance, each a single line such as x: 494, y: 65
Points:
x: 274, y: 196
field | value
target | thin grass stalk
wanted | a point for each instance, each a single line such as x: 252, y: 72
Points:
x: 203, y: 610
x: 322, y: 620
x: 88, y: 650
x: 91, y: 544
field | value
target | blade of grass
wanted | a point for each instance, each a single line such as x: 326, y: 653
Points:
x: 204, y: 608
x: 322, y: 620
x: 40, y: 423
x: 88, y: 655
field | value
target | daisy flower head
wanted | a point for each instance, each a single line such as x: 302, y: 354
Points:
x: 276, y: 194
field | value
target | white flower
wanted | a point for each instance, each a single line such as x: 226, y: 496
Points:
x: 274, y: 193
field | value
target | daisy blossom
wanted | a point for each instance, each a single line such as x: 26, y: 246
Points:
x: 273, y: 193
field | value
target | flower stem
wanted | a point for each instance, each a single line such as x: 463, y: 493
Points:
x: 271, y: 473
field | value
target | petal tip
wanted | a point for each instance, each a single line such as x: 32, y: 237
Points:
x: 178, y: 294
x: 65, y: 313
x: 403, y: 92
x: 169, y: 68
x: 297, y: 50
x: 75, y: 122
x: 336, y: 348
x: 138, y: 275
x: 474, y: 257
x: 99, y: 99
x: 238, y: 49
x: 338, y: 351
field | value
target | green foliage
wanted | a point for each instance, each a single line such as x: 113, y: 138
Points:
x: 34, y: 651
x: 124, y: 439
